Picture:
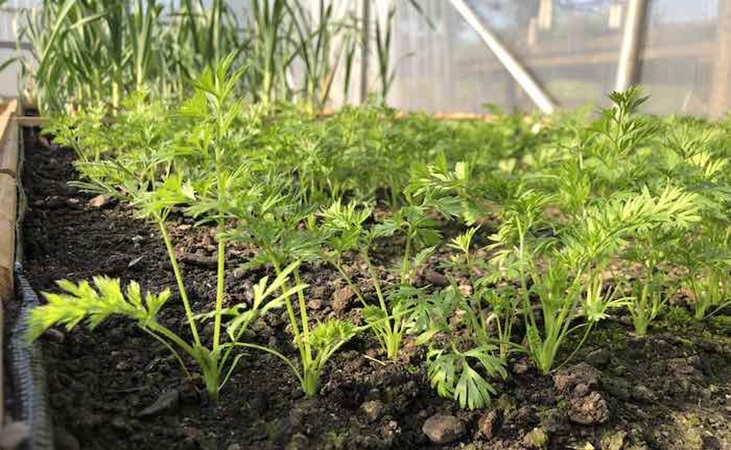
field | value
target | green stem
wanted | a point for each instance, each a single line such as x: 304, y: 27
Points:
x: 219, y: 287
x: 271, y: 351
x: 310, y: 382
x: 303, y: 318
x: 581, y: 343
x: 391, y: 329
x: 167, y: 345
x: 376, y: 283
x: 349, y: 281
x: 179, y: 279
x: 290, y: 309
x: 405, y: 264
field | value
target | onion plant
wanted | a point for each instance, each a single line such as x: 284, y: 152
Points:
x: 383, y: 37
x: 97, y: 52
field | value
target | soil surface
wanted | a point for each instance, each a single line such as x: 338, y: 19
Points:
x: 115, y: 388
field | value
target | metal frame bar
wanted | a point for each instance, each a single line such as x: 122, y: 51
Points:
x: 511, y: 64
x: 634, y: 23
x: 365, y: 50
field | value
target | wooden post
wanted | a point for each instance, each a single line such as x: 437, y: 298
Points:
x: 545, y: 14
x: 8, y: 210
x: 629, y: 54
x: 720, y: 100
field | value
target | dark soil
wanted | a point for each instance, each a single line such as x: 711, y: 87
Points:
x: 671, y: 390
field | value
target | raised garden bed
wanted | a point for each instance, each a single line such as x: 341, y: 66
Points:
x: 115, y: 389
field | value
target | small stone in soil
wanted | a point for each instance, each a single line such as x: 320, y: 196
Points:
x: 582, y: 373
x: 435, y: 278
x: 373, y: 409
x: 315, y: 304
x: 536, y: 438
x: 341, y: 298
x: 13, y: 435
x: 489, y: 424
x: 599, y: 357
x: 642, y: 393
x: 54, y: 335
x: 581, y: 390
x: 554, y: 421
x: 521, y: 366
x: 123, y: 365
x: 614, y: 441
x: 99, y: 201
x: 443, y: 429
x: 166, y: 401
x: 298, y: 442
x: 64, y: 440
x: 589, y: 410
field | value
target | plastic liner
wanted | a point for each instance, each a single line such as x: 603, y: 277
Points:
x: 28, y: 371
x: 26, y: 365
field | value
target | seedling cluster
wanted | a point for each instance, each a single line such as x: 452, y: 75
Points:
x: 539, y: 230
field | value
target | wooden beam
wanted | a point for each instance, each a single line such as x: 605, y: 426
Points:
x: 32, y: 121
x: 720, y: 99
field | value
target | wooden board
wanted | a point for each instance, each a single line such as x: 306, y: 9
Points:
x: 8, y: 212
x: 8, y: 205
x: 9, y: 149
x: 8, y: 197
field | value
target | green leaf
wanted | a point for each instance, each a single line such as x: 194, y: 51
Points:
x: 94, y: 304
x: 472, y: 391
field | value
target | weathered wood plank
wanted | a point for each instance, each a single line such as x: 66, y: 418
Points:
x: 8, y: 211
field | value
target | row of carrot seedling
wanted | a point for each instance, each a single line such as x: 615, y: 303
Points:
x: 562, y: 224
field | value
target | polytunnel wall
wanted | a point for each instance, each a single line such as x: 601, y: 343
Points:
x: 571, y: 47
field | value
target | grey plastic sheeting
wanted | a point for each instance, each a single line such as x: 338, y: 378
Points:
x: 571, y: 48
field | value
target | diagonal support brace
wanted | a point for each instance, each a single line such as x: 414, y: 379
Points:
x: 511, y: 64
